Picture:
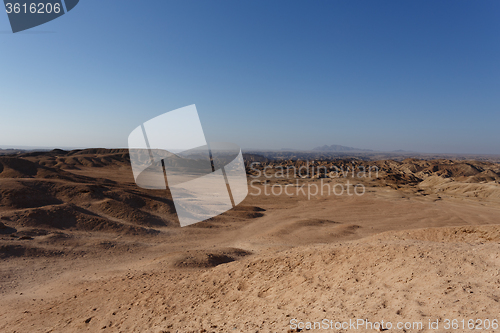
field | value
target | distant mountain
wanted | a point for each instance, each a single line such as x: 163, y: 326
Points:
x: 402, y: 151
x: 338, y: 148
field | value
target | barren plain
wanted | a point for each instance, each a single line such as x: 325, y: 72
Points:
x: 83, y: 249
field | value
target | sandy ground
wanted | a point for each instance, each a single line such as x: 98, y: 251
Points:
x: 407, y: 254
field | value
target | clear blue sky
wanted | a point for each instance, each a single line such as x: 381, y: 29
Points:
x: 383, y: 75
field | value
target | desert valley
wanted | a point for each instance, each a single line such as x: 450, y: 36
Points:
x: 84, y: 249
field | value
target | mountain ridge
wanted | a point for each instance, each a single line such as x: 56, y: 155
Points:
x: 338, y: 148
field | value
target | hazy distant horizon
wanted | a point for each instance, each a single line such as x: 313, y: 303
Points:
x: 250, y: 149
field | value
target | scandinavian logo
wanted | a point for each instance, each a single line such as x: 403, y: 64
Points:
x: 171, y: 151
x: 26, y: 14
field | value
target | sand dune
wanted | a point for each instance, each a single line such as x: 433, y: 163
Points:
x: 84, y: 249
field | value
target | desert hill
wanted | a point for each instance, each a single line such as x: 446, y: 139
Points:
x: 84, y: 249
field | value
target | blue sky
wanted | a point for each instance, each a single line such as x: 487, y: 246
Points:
x: 383, y: 75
